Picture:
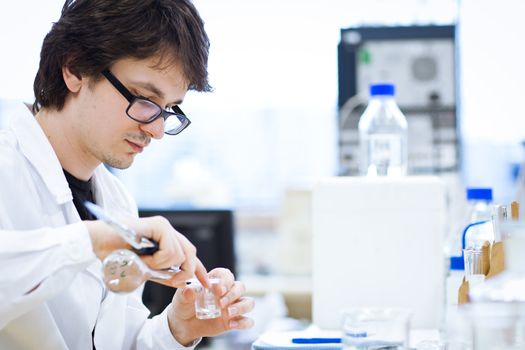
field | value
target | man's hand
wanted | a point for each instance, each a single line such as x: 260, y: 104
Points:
x: 174, y: 248
x: 183, y: 323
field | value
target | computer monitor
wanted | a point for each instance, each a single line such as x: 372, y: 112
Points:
x: 210, y: 231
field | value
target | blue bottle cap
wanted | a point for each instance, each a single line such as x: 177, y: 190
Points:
x: 479, y: 193
x: 382, y: 89
x: 457, y: 263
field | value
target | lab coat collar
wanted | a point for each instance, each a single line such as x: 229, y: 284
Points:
x: 36, y: 148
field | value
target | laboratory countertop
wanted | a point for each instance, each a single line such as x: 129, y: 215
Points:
x: 282, y: 340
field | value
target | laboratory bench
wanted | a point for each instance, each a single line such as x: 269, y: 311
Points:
x: 296, y: 291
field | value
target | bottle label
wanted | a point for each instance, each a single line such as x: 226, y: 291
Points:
x: 384, y: 155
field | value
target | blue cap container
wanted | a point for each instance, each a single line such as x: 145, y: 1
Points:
x: 457, y: 263
x: 484, y: 194
x: 382, y: 90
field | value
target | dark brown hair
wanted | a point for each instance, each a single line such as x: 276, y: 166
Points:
x: 92, y: 34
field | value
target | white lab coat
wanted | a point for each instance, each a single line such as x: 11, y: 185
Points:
x: 43, y: 243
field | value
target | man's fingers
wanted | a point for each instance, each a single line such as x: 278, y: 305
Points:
x: 233, y: 294
x: 240, y: 323
x: 225, y: 275
x: 171, y: 252
x: 187, y: 295
x: 183, y: 303
x: 191, y: 262
x: 202, y: 274
x: 243, y: 306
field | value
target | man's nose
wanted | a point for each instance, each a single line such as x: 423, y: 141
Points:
x: 155, y: 129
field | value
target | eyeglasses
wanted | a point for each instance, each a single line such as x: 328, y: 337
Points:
x: 144, y: 111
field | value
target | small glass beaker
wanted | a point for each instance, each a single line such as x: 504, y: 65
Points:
x: 206, y: 302
x: 375, y: 328
x: 474, y: 266
x: 456, y: 332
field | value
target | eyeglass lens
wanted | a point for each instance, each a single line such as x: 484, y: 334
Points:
x: 144, y: 110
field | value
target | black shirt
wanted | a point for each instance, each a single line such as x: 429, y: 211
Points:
x: 82, y: 192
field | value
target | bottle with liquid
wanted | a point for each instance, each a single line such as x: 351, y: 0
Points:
x: 480, y: 228
x: 476, y: 227
x: 478, y: 215
x: 477, y: 234
x: 383, y: 134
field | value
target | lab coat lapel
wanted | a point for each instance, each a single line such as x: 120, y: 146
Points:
x: 117, y: 203
x: 37, y: 149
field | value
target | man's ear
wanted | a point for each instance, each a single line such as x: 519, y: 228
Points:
x: 73, y: 81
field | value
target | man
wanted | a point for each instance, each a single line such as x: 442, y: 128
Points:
x: 111, y: 78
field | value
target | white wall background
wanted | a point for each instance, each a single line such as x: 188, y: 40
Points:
x: 492, y: 77
x: 23, y: 25
x: 493, y: 70
x: 270, y: 123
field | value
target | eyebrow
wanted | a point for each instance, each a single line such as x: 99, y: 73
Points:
x: 152, y: 88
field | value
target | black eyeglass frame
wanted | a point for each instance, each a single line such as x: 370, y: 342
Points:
x: 177, y: 112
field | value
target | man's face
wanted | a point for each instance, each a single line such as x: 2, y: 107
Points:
x: 101, y: 126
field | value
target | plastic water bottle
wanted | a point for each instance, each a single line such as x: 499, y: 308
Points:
x: 383, y: 135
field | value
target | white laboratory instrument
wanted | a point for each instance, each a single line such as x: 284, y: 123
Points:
x: 378, y: 242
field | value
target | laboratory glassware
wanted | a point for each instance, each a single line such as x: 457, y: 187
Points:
x: 207, y: 305
x: 383, y: 135
x: 375, y: 328
x: 479, y: 211
x: 498, y: 305
x: 124, y: 271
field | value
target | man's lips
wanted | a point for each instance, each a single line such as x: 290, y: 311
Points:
x: 137, y: 148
